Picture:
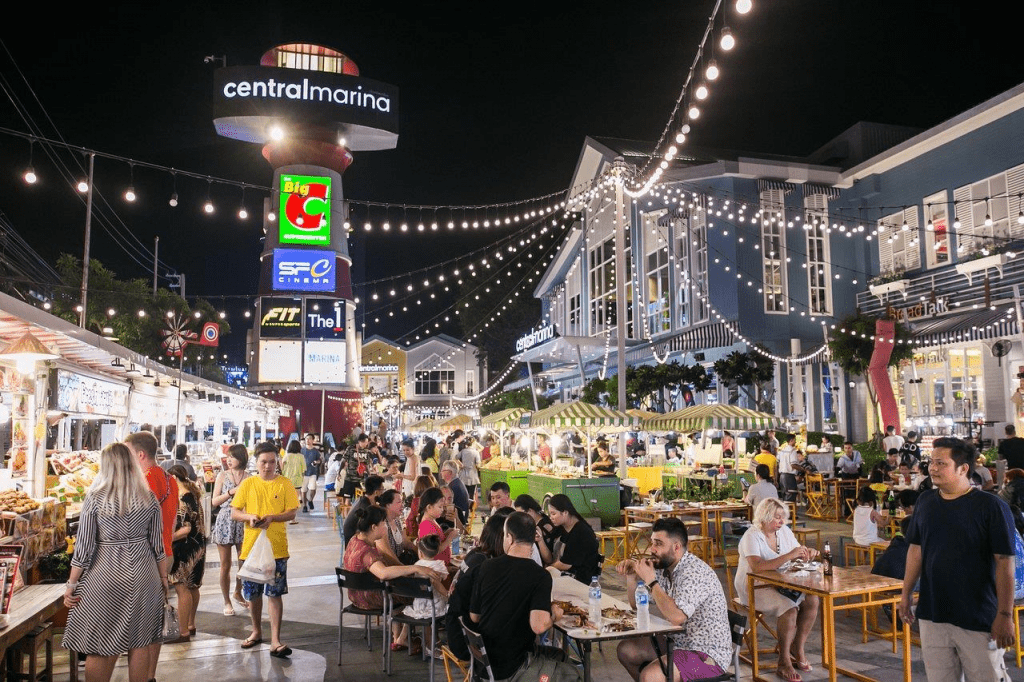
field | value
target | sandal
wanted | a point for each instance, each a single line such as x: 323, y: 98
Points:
x: 250, y: 642
x: 395, y: 646
x: 281, y: 652
x: 241, y: 601
x: 803, y: 666
x: 229, y: 610
x: 789, y: 678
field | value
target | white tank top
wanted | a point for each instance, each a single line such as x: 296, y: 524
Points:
x: 865, y: 531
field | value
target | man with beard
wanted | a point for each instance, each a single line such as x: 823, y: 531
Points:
x: 687, y: 593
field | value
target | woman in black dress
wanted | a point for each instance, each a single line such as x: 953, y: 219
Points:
x: 189, y: 550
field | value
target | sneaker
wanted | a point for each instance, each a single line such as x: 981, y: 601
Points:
x: 304, y: 509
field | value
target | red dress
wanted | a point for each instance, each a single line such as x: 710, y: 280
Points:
x: 359, y: 556
x: 429, y: 527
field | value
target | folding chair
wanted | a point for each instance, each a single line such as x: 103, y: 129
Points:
x: 450, y: 659
x: 369, y: 583
x: 820, y: 504
x: 475, y: 642
x: 738, y: 628
x: 413, y: 588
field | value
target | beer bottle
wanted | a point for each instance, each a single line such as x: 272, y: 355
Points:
x: 826, y: 559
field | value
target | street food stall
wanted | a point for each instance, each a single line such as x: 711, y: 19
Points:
x: 510, y: 469
x: 707, y: 419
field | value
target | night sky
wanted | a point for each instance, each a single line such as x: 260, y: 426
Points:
x: 495, y: 102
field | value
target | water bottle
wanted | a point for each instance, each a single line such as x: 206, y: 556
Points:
x: 595, y: 602
x: 643, y: 606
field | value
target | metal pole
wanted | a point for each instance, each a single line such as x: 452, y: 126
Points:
x: 88, y: 239
x: 156, y: 258
x: 177, y: 420
x: 533, y: 390
x: 621, y: 305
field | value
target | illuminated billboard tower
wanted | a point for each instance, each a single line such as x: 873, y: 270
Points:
x: 310, y: 109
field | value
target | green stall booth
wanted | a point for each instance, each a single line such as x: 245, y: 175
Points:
x: 517, y: 482
x: 591, y: 496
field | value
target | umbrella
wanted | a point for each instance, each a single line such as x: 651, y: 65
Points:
x: 715, y: 418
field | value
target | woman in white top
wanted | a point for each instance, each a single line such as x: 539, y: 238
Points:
x: 866, y: 520
x: 768, y: 544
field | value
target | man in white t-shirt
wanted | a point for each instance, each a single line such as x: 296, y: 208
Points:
x: 787, y: 474
x: 891, y: 440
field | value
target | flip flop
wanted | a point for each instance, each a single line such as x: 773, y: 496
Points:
x: 229, y: 610
x: 803, y: 666
x: 282, y: 652
x: 250, y: 642
x: 789, y: 678
x: 241, y: 602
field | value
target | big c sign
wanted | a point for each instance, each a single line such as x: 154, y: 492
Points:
x: 305, y: 212
x: 303, y: 270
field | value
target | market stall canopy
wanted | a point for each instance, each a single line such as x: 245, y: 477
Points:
x: 578, y: 414
x: 422, y: 426
x: 713, y: 417
x: 642, y: 415
x: 505, y: 419
x: 459, y: 421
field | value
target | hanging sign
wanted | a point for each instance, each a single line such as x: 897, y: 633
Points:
x: 305, y: 215
x: 84, y: 395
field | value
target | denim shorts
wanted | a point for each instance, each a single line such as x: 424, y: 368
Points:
x: 273, y: 589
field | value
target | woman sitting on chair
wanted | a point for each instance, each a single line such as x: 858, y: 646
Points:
x: 576, y: 551
x: 768, y: 544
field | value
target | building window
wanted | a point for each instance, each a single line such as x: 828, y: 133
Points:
x: 936, y: 229
x: 575, y: 320
x: 658, y: 311
x: 898, y: 243
x: 470, y: 382
x: 819, y: 266
x: 435, y: 382
x: 691, y: 274
x: 773, y: 251
x: 602, y: 287
x: 985, y: 209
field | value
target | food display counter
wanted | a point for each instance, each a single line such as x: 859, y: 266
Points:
x: 592, y: 497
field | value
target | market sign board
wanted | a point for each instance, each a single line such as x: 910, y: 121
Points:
x: 325, y: 318
x: 535, y: 337
x: 303, y: 270
x: 79, y: 394
x: 280, y: 362
x: 280, y: 318
x: 305, y: 215
x: 324, y: 362
x: 923, y: 310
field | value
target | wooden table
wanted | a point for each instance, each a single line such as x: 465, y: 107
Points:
x: 30, y: 606
x: 564, y: 588
x: 846, y: 583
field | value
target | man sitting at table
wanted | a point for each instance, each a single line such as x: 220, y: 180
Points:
x: 499, y: 496
x: 511, y: 601
x: 687, y: 593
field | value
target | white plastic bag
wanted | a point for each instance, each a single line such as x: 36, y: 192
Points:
x: 259, y: 566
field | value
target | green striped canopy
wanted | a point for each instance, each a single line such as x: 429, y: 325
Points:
x: 504, y: 419
x: 642, y: 415
x: 715, y: 418
x: 459, y: 421
x: 422, y: 426
x: 580, y: 414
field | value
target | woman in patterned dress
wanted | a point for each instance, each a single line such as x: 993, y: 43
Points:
x: 227, y: 533
x: 189, y: 550
x: 114, y: 593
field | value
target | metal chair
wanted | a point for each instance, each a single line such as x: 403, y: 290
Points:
x: 364, y: 582
x: 413, y: 588
x: 738, y: 627
x: 475, y: 642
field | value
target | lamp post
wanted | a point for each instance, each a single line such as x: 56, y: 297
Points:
x: 88, y: 237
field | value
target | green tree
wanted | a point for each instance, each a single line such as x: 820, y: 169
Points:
x: 518, y: 398
x: 750, y: 372
x: 141, y: 333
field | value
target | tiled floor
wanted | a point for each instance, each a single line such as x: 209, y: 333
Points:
x: 311, y: 627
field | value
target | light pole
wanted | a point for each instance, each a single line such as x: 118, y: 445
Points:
x: 88, y: 238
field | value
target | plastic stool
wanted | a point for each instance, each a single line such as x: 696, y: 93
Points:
x: 29, y: 645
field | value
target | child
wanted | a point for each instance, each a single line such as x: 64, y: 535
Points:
x: 866, y: 520
x: 429, y: 546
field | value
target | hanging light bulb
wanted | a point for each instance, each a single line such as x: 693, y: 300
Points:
x: 208, y: 206
x: 83, y: 186
x: 242, y: 213
x: 693, y: 113
x: 702, y: 91
x: 743, y: 6
x: 712, y: 72
x: 276, y: 133
x: 129, y: 194
x: 727, y: 42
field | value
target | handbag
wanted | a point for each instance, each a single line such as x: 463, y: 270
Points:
x: 171, y: 628
x: 260, y: 566
x: 541, y: 667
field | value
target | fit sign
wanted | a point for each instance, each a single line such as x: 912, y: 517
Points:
x: 305, y: 210
x: 280, y: 317
x: 303, y: 270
